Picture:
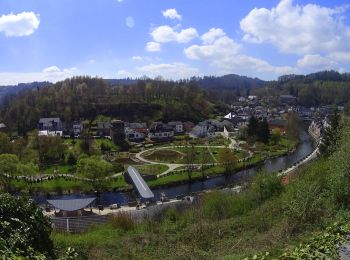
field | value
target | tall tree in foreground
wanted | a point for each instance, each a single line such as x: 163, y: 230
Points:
x: 331, y: 134
x: 24, y: 230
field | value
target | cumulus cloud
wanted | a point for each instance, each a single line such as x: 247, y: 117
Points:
x: 22, y: 24
x: 166, y: 33
x: 213, y: 34
x: 130, y: 22
x: 226, y: 54
x: 52, y: 74
x: 298, y: 29
x: 172, y: 14
x: 175, y: 70
x: 317, y: 62
x: 153, y: 46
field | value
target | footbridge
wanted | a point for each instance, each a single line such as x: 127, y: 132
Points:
x: 139, y: 184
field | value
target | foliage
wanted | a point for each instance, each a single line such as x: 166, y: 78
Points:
x: 51, y: 149
x: 324, y: 245
x: 85, y: 97
x: 5, y: 145
x: 123, y: 221
x: 95, y: 169
x: 263, y: 133
x: 24, y: 230
x: 331, y: 134
x: 294, y: 126
x: 227, y: 159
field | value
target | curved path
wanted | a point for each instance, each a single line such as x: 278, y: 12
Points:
x: 172, y: 166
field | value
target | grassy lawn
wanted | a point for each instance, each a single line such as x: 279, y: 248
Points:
x: 59, y: 168
x: 152, y: 168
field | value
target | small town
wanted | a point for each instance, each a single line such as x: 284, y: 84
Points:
x: 174, y: 129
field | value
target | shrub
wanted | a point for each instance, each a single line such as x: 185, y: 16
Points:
x: 123, y: 221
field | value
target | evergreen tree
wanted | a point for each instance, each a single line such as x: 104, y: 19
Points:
x: 331, y: 134
x: 263, y: 133
x: 252, y: 126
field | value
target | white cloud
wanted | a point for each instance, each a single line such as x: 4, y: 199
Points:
x: 225, y: 54
x: 175, y: 70
x: 172, y: 14
x: 153, y: 46
x: 52, y: 74
x: 138, y: 58
x: 120, y: 1
x: 317, y: 62
x: 22, y: 24
x: 210, y: 36
x: 340, y: 56
x: 130, y: 22
x: 298, y: 29
x: 92, y: 61
x: 166, y: 33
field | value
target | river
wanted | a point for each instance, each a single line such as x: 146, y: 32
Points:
x: 305, y: 147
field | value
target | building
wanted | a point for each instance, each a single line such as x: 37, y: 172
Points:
x: 288, y: 99
x: 71, y: 207
x: 278, y: 123
x: 77, y: 128
x: 103, y: 129
x: 117, y: 131
x: 136, y: 127
x: 315, y: 129
x: 177, y: 126
x: 161, y: 132
x: 135, y: 136
x: 50, y: 124
x: 3, y: 127
x: 199, y: 131
x: 188, y: 126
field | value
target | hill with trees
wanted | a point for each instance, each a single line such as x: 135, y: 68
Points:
x: 85, y: 97
x: 321, y: 88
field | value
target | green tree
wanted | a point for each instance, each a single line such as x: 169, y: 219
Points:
x: 263, y: 133
x: 9, y: 164
x: 294, y: 126
x: 5, y: 145
x: 252, y: 126
x: 95, y: 169
x: 228, y: 160
x: 189, y: 159
x: 331, y: 134
x: 276, y: 135
x: 24, y: 230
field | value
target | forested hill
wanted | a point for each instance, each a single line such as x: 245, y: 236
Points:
x: 85, y: 97
x: 322, y: 88
x: 6, y: 91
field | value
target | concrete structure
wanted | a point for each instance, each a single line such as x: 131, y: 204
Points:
x: 71, y: 207
x: 139, y: 184
x: 117, y: 132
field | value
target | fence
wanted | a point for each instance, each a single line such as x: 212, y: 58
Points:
x: 77, y: 224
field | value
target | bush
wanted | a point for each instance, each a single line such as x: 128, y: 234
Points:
x: 123, y: 221
x: 24, y: 230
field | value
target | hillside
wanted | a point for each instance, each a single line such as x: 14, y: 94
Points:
x: 85, y: 97
x: 322, y: 88
x: 6, y: 91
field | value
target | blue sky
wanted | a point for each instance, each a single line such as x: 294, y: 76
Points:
x: 55, y: 39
